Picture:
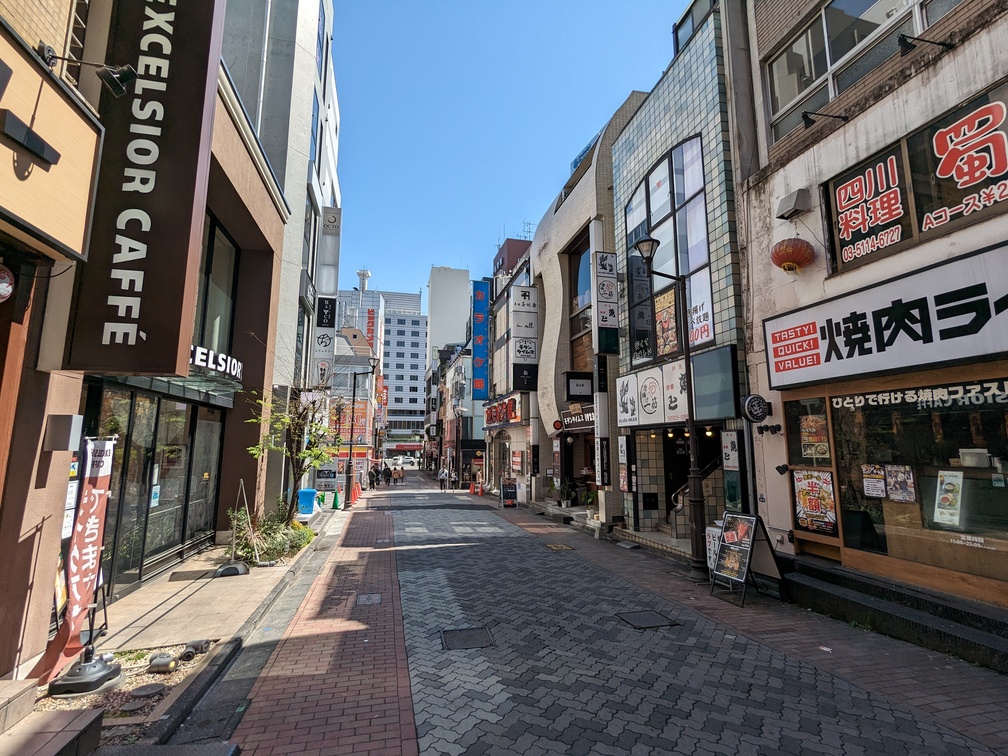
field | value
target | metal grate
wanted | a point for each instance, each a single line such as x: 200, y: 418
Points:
x: 369, y: 598
x: 468, y: 637
x: 559, y: 547
x: 646, y: 619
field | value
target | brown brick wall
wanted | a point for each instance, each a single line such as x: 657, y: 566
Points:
x: 968, y: 18
x: 778, y: 19
x: 48, y: 20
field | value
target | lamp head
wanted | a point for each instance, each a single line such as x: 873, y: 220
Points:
x: 373, y: 362
x: 808, y: 120
x: 905, y: 45
x: 646, y: 246
x: 117, y: 78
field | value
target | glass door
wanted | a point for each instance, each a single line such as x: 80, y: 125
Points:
x: 170, y: 479
x: 203, y: 478
x: 130, y: 489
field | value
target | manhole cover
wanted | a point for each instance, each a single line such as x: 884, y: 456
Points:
x: 147, y: 691
x: 369, y: 598
x: 559, y: 547
x: 130, y: 706
x: 383, y: 540
x: 645, y: 620
x: 469, y: 637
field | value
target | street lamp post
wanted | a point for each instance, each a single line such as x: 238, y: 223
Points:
x: 348, y: 491
x: 460, y: 412
x: 647, y: 246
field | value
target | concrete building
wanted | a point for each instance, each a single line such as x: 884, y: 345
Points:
x: 398, y: 329
x: 122, y: 362
x: 673, y: 181
x: 279, y: 55
x: 448, y: 313
x: 873, y: 232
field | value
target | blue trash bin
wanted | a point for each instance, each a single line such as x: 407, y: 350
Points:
x: 306, y: 501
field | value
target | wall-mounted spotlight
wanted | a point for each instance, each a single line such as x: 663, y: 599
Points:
x: 771, y: 429
x: 808, y: 120
x: 115, y: 78
x: 906, y: 43
x: 708, y: 432
x: 782, y: 469
x: 670, y: 433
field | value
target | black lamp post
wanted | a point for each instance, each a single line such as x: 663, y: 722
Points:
x: 460, y: 412
x: 373, y: 362
x: 647, y: 247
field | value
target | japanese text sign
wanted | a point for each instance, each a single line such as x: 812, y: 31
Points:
x: 481, y: 340
x: 949, y: 312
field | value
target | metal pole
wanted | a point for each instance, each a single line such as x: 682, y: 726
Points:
x: 350, y: 470
x: 694, y: 481
x: 458, y: 449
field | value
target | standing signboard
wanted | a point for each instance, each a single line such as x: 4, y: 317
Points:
x: 743, y: 549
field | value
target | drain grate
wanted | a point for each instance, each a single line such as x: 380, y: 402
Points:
x: 383, y: 540
x: 369, y: 598
x: 646, y: 619
x: 467, y: 637
x: 559, y: 547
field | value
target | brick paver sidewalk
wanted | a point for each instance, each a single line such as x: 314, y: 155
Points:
x: 338, y: 682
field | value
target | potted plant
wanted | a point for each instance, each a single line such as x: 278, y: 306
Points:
x: 590, y: 500
x: 568, y: 492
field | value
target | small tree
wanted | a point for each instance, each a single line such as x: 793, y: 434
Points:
x: 297, y: 427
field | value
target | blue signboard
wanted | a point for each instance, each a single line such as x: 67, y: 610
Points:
x: 480, y: 340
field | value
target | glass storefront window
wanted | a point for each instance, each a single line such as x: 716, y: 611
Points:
x: 215, y: 297
x: 920, y: 473
x: 203, y: 474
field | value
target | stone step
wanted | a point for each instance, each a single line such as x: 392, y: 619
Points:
x: 898, y: 620
x: 17, y: 699
x: 54, y: 733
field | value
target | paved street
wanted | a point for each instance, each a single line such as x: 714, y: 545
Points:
x: 362, y: 667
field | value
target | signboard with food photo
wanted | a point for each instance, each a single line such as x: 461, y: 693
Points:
x: 815, y: 505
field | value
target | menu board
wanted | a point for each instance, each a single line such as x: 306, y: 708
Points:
x: 509, y: 490
x: 733, y: 552
x: 948, y: 498
x: 814, y: 437
x: 900, y: 483
x: 815, y: 505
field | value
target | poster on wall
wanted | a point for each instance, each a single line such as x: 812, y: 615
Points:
x: 873, y: 481
x: 650, y: 397
x: 814, y: 437
x: 674, y: 384
x: 815, y: 506
x: 948, y: 498
x: 900, y: 483
x: 666, y: 323
x: 626, y: 400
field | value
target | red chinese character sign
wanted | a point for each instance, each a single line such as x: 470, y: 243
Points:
x: 959, y: 164
x: 871, y: 208
x: 83, y: 561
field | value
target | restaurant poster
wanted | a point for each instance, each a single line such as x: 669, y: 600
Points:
x: 948, y: 498
x: 900, y: 483
x: 666, y: 323
x: 815, y: 504
x: 814, y: 437
x: 873, y: 481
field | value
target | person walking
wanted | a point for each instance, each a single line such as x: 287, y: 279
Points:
x: 387, y: 474
x: 371, y: 479
x: 442, y: 477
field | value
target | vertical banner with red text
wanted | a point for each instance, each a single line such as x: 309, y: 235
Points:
x: 84, y: 559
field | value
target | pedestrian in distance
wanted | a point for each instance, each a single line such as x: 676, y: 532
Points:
x: 387, y: 474
x: 443, y: 479
x: 454, y: 479
x: 371, y: 479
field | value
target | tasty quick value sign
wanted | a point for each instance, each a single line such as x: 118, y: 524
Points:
x: 136, y: 298
x: 954, y: 311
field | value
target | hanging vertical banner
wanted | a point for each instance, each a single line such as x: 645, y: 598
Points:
x: 605, y: 304
x: 83, y: 561
x: 523, y: 315
x: 135, y: 300
x: 480, y: 340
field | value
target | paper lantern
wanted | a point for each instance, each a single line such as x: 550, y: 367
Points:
x: 792, y: 255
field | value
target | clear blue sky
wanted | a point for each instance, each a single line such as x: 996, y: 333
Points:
x: 459, y: 119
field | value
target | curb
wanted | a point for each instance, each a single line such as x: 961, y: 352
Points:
x: 222, y: 656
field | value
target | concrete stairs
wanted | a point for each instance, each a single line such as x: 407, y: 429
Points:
x: 974, y: 632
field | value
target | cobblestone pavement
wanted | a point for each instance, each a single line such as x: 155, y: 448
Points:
x: 565, y: 673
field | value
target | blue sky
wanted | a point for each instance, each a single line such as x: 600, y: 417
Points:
x: 459, y: 119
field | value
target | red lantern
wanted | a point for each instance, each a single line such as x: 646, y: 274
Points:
x: 792, y: 254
